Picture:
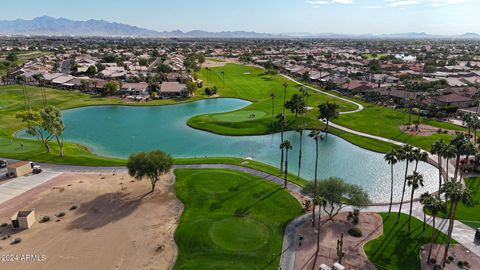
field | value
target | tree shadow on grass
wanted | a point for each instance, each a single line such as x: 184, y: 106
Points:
x: 103, y: 210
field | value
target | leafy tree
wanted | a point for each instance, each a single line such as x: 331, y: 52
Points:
x: 91, y: 71
x: 191, y: 87
x: 328, y: 111
x: 54, y: 124
x: 36, y: 127
x: 296, y: 105
x: 149, y: 165
x: 110, y: 88
x: 338, y: 194
x: 12, y: 57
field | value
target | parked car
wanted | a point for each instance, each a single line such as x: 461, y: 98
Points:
x: 3, y: 163
x: 37, y: 169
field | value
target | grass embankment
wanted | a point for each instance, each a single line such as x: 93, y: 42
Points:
x: 231, y: 220
x: 394, y: 249
x: 241, y: 162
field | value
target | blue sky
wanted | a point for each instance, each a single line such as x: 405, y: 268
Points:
x: 274, y: 16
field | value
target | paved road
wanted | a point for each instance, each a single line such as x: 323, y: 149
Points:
x: 14, y: 187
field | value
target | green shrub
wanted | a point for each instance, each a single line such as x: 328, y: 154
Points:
x: 356, y: 212
x: 355, y: 232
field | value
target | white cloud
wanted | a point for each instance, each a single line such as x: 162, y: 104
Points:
x: 319, y: 3
x: 428, y: 3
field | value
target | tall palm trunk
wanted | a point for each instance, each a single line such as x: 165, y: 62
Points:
x: 457, y: 165
x: 281, y: 155
x: 286, y: 168
x: 449, y: 235
x: 315, y: 183
x: 300, y: 155
x: 447, y: 161
x: 318, y: 239
x: 410, y: 212
x: 439, y: 174
x: 391, y: 190
x: 432, y: 239
x: 273, y: 110
x: 403, y: 192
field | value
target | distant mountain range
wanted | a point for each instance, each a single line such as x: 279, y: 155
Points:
x: 49, y: 26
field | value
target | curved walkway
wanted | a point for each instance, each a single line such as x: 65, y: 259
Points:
x: 359, y: 106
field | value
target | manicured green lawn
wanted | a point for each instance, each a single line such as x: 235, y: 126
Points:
x: 394, y: 249
x: 231, y: 220
x: 377, y: 56
x: 386, y: 122
x: 250, y: 83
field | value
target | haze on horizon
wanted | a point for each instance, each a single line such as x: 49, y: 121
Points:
x: 442, y: 17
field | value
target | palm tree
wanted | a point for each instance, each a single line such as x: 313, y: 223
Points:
x: 438, y: 149
x: 404, y: 154
x: 391, y: 158
x: 460, y: 143
x: 272, y: 95
x: 300, y: 130
x: 327, y: 112
x: 320, y: 201
x: 415, y: 181
x: 315, y: 134
x: 448, y: 153
x: 285, y: 85
x: 434, y: 205
x: 455, y: 193
x: 287, y: 146
x: 419, y: 155
x: 282, y: 123
x: 424, y: 201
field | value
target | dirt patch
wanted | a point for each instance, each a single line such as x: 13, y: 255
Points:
x: 458, y: 252
x: 355, y: 257
x: 425, y: 130
x: 115, y: 225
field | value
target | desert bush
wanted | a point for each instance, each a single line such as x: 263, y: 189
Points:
x: 73, y: 207
x: 61, y: 214
x: 356, y: 212
x: 355, y: 232
x: 17, y: 240
x: 355, y: 220
x: 45, y: 219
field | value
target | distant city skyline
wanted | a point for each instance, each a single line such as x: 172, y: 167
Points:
x: 442, y: 17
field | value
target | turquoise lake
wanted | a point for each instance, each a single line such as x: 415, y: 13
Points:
x: 118, y: 131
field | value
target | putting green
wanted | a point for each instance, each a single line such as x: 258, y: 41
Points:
x: 239, y: 116
x: 239, y: 234
x: 207, y: 184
